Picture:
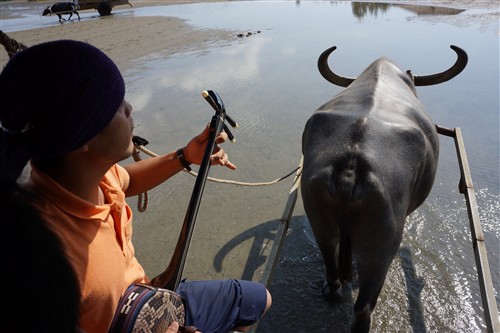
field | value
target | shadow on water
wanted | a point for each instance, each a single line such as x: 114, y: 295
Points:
x: 261, y: 234
x: 298, y: 278
x: 414, y: 286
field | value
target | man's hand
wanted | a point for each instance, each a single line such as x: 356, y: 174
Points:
x: 195, y: 149
x: 174, y: 328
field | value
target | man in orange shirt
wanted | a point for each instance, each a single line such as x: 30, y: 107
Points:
x: 63, y: 109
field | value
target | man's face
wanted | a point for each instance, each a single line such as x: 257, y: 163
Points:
x: 114, y: 143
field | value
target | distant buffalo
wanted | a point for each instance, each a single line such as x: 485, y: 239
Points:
x: 61, y: 8
x: 370, y: 157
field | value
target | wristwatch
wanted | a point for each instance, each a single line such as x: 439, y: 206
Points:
x: 180, y: 156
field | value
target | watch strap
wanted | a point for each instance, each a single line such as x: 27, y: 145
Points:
x: 182, y: 159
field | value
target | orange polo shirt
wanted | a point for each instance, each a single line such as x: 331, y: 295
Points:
x: 98, y: 242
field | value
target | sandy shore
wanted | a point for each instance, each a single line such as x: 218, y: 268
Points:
x: 125, y: 39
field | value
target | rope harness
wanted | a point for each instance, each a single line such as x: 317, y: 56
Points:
x: 142, y: 202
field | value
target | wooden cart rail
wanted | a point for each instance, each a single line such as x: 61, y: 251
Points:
x: 483, y: 268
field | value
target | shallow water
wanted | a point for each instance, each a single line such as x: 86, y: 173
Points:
x: 270, y: 85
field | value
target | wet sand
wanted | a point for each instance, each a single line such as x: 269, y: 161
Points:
x: 125, y: 39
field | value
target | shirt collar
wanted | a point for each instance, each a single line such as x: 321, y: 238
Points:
x: 65, y: 200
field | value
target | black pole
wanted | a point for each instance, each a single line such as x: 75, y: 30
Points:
x: 172, y: 276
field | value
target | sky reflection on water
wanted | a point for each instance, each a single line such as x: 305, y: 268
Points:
x: 270, y: 85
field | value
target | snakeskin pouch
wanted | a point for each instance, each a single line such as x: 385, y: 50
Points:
x: 147, y: 309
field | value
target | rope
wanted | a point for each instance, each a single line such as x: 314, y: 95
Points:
x: 143, y: 197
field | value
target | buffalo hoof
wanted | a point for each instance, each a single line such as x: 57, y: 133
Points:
x: 330, y: 295
x: 362, y: 320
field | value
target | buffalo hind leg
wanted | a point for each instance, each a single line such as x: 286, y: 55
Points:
x: 324, y: 225
x: 332, y: 285
x: 328, y: 240
x: 372, y: 271
x: 371, y: 281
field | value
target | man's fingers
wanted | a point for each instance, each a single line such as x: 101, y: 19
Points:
x: 173, y: 328
x: 221, y: 138
x: 205, y: 134
x: 221, y: 158
x: 230, y: 165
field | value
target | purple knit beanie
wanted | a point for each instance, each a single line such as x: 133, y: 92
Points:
x: 54, y: 98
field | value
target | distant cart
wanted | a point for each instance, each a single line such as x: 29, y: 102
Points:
x: 102, y: 6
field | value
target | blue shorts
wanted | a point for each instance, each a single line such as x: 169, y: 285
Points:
x: 221, y: 305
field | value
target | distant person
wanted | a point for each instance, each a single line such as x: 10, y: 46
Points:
x: 63, y: 109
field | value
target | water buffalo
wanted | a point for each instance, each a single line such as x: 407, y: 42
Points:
x: 61, y: 8
x: 370, y: 157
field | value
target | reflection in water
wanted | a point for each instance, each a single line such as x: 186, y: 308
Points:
x: 431, y: 10
x: 361, y: 9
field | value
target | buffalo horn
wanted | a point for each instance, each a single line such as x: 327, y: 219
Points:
x: 448, y: 74
x: 326, y: 71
